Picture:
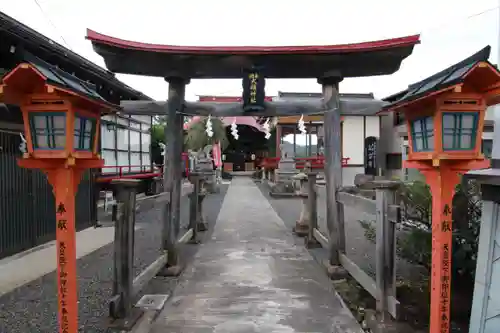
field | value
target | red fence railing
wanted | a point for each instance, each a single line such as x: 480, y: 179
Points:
x: 128, y: 172
x: 108, y: 173
x: 145, y: 171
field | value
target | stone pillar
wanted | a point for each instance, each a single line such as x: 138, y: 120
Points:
x: 485, y: 310
x: 278, y: 140
x: 172, y: 175
x: 312, y: 204
x: 123, y: 268
x: 333, y: 160
x: 194, y: 178
x: 302, y: 224
x: 321, y: 140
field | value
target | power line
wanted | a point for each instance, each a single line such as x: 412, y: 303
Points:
x: 464, y: 18
x: 47, y: 17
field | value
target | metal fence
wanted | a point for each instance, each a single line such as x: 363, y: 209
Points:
x: 27, y: 209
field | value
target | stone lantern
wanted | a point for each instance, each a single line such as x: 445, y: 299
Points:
x: 302, y: 225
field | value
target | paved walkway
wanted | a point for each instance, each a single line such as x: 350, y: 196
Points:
x: 252, y: 277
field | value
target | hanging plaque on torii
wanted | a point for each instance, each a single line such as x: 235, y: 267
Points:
x: 254, y: 93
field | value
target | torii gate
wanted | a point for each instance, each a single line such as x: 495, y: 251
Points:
x: 179, y: 64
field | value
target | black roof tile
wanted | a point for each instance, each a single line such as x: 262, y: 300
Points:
x: 445, y: 78
x: 63, y: 79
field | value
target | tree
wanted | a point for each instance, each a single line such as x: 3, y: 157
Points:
x: 157, y: 137
x: 197, y: 137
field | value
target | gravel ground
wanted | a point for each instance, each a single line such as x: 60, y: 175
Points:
x: 358, y: 248
x: 33, y: 307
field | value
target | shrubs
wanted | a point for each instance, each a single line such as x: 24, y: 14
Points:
x: 414, y: 242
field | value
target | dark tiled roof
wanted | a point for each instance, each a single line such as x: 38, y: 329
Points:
x: 446, y: 78
x: 57, y: 77
x: 28, y: 40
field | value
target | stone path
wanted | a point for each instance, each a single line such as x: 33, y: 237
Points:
x: 252, y: 277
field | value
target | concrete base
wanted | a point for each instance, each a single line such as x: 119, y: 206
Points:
x: 376, y: 324
x: 171, y: 271
x: 335, y: 272
x: 202, y: 226
x: 126, y: 324
x: 311, y: 243
x: 282, y: 195
x: 193, y: 241
x: 283, y: 188
x: 301, y: 229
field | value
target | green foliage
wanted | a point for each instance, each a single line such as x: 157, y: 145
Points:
x: 415, y: 246
x: 414, y: 242
x: 196, y: 137
x: 157, y: 137
x: 416, y: 199
x: 158, y: 133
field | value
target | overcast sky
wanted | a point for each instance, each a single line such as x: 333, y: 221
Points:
x: 449, y: 32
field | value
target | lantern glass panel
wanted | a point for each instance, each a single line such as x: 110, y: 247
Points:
x: 459, y: 130
x: 84, y: 133
x: 422, y: 133
x: 48, y: 130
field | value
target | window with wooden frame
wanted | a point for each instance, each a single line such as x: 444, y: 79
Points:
x: 422, y: 133
x: 84, y: 133
x: 48, y: 130
x: 459, y: 130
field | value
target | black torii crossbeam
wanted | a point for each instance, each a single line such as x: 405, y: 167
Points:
x: 349, y: 105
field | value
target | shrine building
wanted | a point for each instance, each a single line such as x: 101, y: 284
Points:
x: 246, y: 153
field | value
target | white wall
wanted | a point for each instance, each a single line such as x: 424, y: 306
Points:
x: 354, y: 131
x: 372, y: 126
x: 353, y: 139
x: 349, y: 173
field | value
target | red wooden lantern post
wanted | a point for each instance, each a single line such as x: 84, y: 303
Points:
x: 61, y: 123
x: 445, y: 117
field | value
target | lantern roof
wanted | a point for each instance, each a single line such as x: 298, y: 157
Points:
x: 37, y: 76
x: 224, y: 62
x: 18, y: 40
x: 475, y: 71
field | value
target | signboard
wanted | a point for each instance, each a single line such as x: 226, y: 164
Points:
x: 254, y: 94
x: 371, y: 156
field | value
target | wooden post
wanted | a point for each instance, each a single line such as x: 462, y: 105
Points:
x: 333, y: 163
x: 178, y: 167
x: 114, y: 208
x: 123, y: 269
x: 172, y: 174
x: 278, y: 141
x: 193, y: 205
x: 442, y: 179
x: 442, y: 182
x: 65, y: 182
x: 201, y: 224
x: 312, y: 201
x: 341, y: 217
x: 385, y: 245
